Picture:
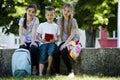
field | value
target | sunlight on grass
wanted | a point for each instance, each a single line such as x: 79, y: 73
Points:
x: 63, y: 77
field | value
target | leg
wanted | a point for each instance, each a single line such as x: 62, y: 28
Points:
x: 25, y: 47
x: 41, y: 67
x: 34, y: 59
x: 66, y: 59
x: 56, y: 59
x: 51, y: 51
x: 43, y: 58
x: 50, y: 58
x: 22, y: 46
x: 34, y: 55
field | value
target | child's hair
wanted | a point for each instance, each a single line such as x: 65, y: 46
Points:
x: 49, y: 8
x: 25, y: 15
x: 69, y: 26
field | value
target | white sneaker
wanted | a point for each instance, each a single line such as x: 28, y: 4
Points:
x: 71, y: 75
x: 57, y: 74
x: 40, y: 75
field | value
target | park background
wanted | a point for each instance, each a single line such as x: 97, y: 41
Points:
x: 97, y: 20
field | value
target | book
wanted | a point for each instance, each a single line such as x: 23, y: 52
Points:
x: 48, y: 36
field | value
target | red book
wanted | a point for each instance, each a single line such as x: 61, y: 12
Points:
x: 48, y: 36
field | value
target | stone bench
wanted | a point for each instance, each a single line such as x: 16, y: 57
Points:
x: 91, y: 61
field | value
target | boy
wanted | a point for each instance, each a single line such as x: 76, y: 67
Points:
x: 48, y: 33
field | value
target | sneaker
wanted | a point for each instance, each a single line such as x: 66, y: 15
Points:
x: 48, y: 72
x: 34, y: 72
x: 71, y: 75
x: 40, y: 75
x: 57, y: 74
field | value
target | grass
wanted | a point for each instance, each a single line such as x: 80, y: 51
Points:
x: 63, y: 77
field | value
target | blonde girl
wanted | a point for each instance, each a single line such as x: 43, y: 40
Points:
x: 68, y: 31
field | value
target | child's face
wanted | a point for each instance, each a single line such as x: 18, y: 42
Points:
x: 67, y: 11
x: 50, y: 15
x: 30, y: 12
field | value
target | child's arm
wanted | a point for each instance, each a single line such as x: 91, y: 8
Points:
x: 21, y: 35
x: 55, y: 40
x: 34, y: 34
x: 40, y: 38
x: 73, y: 30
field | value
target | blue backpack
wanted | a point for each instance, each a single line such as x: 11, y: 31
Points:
x: 21, y: 63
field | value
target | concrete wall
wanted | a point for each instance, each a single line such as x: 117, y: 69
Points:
x: 91, y: 61
x: 5, y: 61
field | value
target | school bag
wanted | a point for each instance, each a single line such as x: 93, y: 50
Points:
x: 74, y: 49
x: 21, y: 63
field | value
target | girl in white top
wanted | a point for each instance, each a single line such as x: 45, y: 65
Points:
x: 27, y: 33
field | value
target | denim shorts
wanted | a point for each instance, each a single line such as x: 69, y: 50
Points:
x: 46, y: 50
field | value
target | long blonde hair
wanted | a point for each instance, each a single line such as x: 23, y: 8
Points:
x: 69, y: 26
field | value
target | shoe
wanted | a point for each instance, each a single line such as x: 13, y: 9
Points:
x: 40, y: 75
x: 71, y: 75
x: 34, y: 72
x: 57, y: 74
x: 48, y: 72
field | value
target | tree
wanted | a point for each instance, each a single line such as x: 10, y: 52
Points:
x: 9, y: 15
x: 12, y: 10
x: 6, y: 7
x: 93, y: 13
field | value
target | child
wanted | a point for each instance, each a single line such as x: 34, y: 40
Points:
x: 68, y: 32
x: 27, y: 33
x: 48, y: 34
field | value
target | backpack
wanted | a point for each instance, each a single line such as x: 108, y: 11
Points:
x: 74, y: 49
x: 21, y: 63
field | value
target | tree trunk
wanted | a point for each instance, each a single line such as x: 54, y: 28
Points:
x: 90, y: 37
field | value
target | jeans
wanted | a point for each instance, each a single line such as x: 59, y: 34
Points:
x: 34, y: 52
x: 46, y: 50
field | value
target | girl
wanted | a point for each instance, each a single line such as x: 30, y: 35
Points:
x: 68, y: 32
x: 27, y: 33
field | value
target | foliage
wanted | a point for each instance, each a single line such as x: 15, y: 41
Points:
x: 12, y: 10
x: 93, y: 13
x: 6, y: 7
x: 89, y: 13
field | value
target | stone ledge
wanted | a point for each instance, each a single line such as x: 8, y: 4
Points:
x: 91, y: 61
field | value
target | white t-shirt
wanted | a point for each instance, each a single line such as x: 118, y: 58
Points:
x: 50, y: 28
x: 27, y: 33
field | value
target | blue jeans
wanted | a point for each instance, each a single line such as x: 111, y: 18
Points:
x: 46, y: 50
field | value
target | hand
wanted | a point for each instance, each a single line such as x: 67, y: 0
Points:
x: 23, y: 43
x: 52, y: 40
x: 33, y: 43
x: 63, y: 46
x: 43, y: 40
x: 58, y: 43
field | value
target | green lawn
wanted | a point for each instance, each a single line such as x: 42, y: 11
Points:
x: 63, y: 77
